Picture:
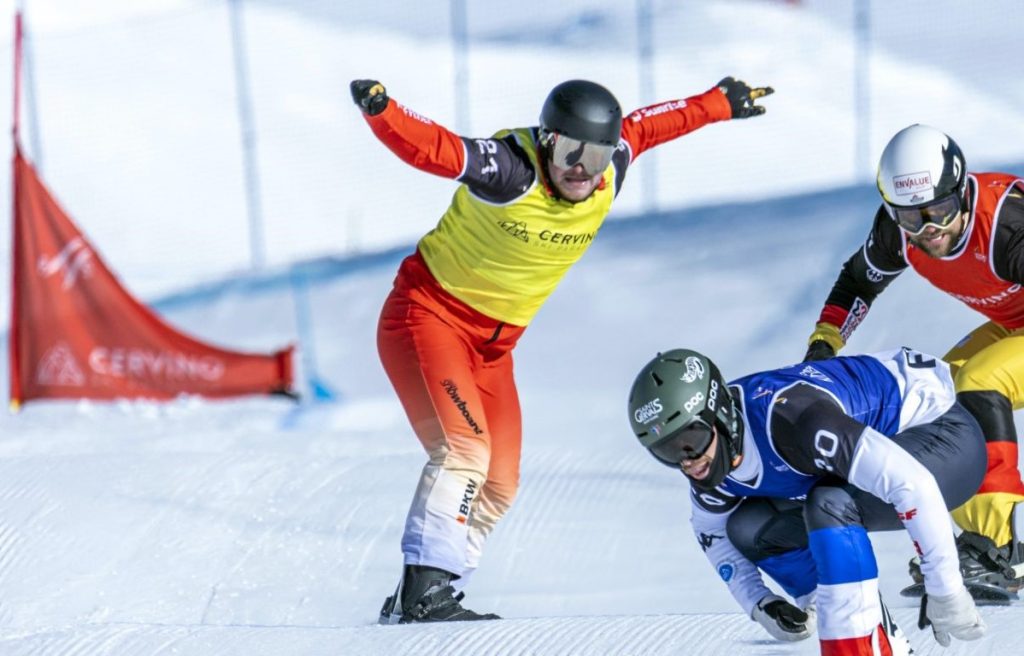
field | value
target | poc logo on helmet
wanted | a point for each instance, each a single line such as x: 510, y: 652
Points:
x: 648, y: 411
x: 694, y: 400
x: 694, y: 370
x: 713, y: 395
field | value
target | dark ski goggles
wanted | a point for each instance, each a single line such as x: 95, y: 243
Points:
x: 566, y: 152
x: 687, y: 443
x: 939, y: 213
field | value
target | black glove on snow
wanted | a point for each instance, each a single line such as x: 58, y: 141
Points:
x: 819, y: 350
x: 370, y: 95
x: 741, y: 97
x: 782, y: 619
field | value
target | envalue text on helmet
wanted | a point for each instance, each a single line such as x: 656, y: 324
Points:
x: 911, y: 183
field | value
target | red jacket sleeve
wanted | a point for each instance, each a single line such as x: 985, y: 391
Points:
x: 419, y: 141
x: 647, y: 127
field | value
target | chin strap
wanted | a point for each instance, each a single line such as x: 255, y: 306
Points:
x: 735, y: 439
x: 965, y: 209
x: 543, y: 156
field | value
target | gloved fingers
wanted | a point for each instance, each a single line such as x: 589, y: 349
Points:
x: 791, y: 616
x: 953, y: 616
x: 798, y: 615
x: 741, y: 97
x: 792, y: 624
x: 369, y: 95
x: 359, y: 87
x: 781, y: 619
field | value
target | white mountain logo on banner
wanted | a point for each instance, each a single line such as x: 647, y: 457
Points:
x: 59, y: 367
x: 73, y: 259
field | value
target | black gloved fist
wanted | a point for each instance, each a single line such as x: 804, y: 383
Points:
x: 786, y: 615
x: 783, y: 620
x: 741, y: 97
x: 819, y: 350
x: 370, y: 95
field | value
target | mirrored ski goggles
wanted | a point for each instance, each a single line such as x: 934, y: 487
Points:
x: 687, y: 443
x: 939, y: 213
x: 566, y: 152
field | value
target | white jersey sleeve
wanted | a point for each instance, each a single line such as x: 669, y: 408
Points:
x: 886, y: 470
x: 740, y: 575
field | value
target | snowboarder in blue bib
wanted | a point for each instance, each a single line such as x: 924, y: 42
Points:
x: 791, y: 468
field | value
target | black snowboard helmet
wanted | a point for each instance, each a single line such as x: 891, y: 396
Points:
x: 675, y: 401
x: 582, y: 110
x: 580, y: 123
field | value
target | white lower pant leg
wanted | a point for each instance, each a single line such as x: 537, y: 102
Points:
x: 436, y: 528
x: 484, y: 517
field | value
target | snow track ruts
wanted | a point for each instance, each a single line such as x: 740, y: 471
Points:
x: 652, y: 635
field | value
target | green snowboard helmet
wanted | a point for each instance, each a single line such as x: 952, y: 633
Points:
x: 675, y: 401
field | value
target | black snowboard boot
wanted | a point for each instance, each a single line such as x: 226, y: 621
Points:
x: 992, y: 574
x: 425, y: 594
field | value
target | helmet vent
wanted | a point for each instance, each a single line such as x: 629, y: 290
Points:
x: 672, y: 416
x: 657, y: 379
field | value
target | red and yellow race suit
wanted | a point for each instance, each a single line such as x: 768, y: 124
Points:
x: 985, y: 271
x: 461, y: 301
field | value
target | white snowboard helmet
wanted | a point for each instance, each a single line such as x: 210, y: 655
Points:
x: 922, y: 178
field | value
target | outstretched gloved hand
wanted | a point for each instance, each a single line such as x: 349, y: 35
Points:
x: 741, y: 97
x: 782, y: 619
x: 369, y: 95
x: 954, y: 615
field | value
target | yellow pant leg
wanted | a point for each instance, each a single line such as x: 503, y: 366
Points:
x: 988, y: 515
x: 988, y: 366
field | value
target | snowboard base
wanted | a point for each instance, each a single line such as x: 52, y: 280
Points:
x: 982, y: 593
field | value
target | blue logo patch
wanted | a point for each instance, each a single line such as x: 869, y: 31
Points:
x: 726, y: 570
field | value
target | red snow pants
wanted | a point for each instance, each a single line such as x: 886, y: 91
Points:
x: 451, y: 367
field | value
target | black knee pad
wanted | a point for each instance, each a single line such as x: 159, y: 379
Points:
x: 763, y: 527
x: 830, y: 506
